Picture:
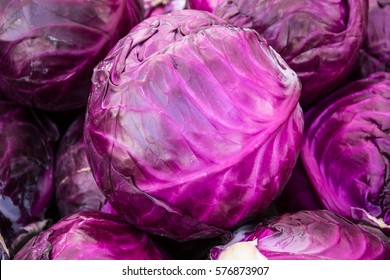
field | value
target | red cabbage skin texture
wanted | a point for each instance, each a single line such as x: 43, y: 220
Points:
x: 26, y: 169
x: 91, y: 235
x: 375, y: 53
x: 186, y: 138
x: 346, y: 150
x: 305, y: 235
x: 319, y: 39
x: 160, y: 7
x: 75, y: 187
x: 48, y: 48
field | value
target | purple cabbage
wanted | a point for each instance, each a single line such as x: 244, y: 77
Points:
x: 91, y: 235
x: 375, y: 53
x: 26, y: 171
x: 346, y: 150
x: 185, y: 138
x: 305, y: 235
x: 48, y: 48
x: 318, y: 39
x: 75, y: 187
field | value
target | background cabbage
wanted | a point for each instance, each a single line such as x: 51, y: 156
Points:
x: 319, y: 39
x: 374, y: 55
x: 26, y: 170
x: 346, y: 150
x: 91, y: 235
x: 75, y: 187
x: 48, y: 48
x: 185, y: 138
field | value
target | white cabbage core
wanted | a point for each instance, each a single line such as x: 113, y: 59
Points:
x: 245, y: 250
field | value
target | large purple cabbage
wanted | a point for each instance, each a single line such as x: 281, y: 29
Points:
x: 319, y: 39
x: 375, y: 53
x: 186, y: 138
x: 305, y: 235
x: 49, y: 48
x: 346, y: 150
x: 26, y: 170
x: 91, y: 235
x: 75, y: 187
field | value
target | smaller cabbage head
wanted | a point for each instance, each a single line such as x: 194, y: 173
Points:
x: 75, y: 187
x: 186, y: 138
x: 375, y: 53
x: 91, y: 235
x: 346, y: 150
x: 26, y: 170
x: 319, y: 39
x: 48, y: 49
x: 305, y: 235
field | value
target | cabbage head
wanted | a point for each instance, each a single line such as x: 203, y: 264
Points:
x: 346, y: 150
x: 91, y: 235
x: 27, y: 140
x: 75, y: 187
x: 374, y: 55
x: 48, y: 49
x: 186, y: 138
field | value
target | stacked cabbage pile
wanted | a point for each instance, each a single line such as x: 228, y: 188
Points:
x: 236, y: 129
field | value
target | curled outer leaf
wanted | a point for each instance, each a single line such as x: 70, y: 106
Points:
x: 305, y: 235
